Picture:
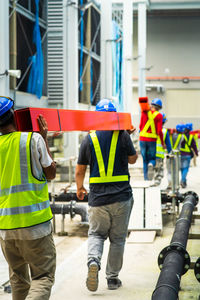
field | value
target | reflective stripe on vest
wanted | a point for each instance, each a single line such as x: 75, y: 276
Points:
x: 187, y: 143
x: 160, y: 151
x: 24, y: 200
x: 109, y: 176
x: 150, y: 124
x: 176, y: 142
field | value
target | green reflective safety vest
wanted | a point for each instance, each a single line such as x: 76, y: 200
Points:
x: 150, y: 124
x: 160, y: 151
x: 174, y: 147
x: 106, y: 177
x: 188, y: 143
x: 24, y: 200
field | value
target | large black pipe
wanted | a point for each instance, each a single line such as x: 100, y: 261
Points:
x: 71, y: 209
x: 65, y: 197
x: 174, y: 260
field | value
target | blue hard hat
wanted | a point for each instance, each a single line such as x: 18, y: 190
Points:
x: 189, y: 126
x: 6, y: 104
x: 164, y: 117
x: 105, y: 105
x: 179, y: 127
x: 157, y: 102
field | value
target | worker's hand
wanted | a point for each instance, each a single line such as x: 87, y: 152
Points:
x: 130, y: 131
x: 43, y: 126
x: 81, y: 192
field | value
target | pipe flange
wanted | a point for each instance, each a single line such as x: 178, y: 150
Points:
x: 197, y: 269
x: 71, y: 209
x: 192, y: 194
x: 179, y: 249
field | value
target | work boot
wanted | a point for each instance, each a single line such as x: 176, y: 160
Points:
x: 92, y: 278
x: 183, y: 185
x: 150, y: 171
x: 114, y: 283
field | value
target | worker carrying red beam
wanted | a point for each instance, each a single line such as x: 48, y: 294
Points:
x: 110, y: 199
x: 25, y: 228
x: 150, y: 128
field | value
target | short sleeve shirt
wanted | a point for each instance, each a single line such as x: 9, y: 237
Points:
x: 107, y: 193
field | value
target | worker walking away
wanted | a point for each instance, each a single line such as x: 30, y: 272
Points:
x: 110, y: 198
x: 25, y: 213
x: 195, y: 135
x: 176, y: 138
x: 160, y: 154
x: 188, y: 145
x: 150, y: 129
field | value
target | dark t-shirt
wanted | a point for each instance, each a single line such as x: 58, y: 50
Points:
x: 107, y: 193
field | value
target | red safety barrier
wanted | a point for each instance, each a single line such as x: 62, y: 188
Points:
x: 72, y: 120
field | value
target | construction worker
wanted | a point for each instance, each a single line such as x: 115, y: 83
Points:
x: 25, y: 213
x: 160, y: 153
x: 195, y: 135
x: 176, y: 137
x: 110, y: 199
x: 150, y: 129
x: 188, y: 145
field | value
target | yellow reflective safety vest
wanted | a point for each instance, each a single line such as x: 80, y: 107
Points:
x: 160, y: 151
x: 103, y: 175
x: 24, y: 200
x: 150, y: 124
x: 178, y: 139
x: 188, y: 143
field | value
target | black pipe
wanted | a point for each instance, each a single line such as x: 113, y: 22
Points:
x: 197, y: 269
x: 65, y: 197
x: 174, y: 260
x: 71, y: 209
x: 167, y: 197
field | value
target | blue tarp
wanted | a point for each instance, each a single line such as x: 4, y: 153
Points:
x: 35, y: 81
x: 117, y: 52
x: 81, y: 50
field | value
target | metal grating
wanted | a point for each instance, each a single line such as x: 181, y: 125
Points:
x: 55, y: 52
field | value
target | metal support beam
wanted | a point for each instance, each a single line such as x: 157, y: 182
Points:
x: 106, y: 49
x: 4, y: 54
x: 142, y: 15
x: 127, y: 54
x: 70, y: 100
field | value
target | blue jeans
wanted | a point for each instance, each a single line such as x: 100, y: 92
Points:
x: 148, y: 152
x: 185, y: 165
x: 109, y: 221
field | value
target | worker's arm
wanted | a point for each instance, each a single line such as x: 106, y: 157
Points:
x: 132, y: 158
x: 79, y: 176
x: 159, y: 124
x: 50, y: 172
x: 168, y: 143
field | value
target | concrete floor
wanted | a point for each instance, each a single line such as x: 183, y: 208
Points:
x: 140, y: 270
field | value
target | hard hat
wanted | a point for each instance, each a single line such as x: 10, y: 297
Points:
x: 179, y: 127
x: 157, y: 102
x: 6, y: 109
x: 6, y: 104
x: 105, y: 105
x: 164, y: 117
x: 183, y: 128
x: 189, y: 126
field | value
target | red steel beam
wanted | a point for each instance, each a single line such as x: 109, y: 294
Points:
x: 72, y: 120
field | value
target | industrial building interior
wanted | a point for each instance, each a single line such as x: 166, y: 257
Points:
x: 119, y: 50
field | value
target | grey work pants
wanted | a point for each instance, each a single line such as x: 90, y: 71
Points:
x: 37, y: 257
x: 109, y: 221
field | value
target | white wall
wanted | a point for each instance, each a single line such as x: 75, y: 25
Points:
x: 173, y: 45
